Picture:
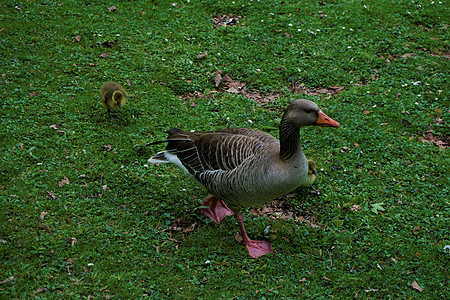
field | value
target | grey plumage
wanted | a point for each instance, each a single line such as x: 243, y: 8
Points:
x: 241, y: 166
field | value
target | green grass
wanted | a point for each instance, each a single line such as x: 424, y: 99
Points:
x: 383, y: 212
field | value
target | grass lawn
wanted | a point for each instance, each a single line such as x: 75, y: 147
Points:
x: 83, y: 215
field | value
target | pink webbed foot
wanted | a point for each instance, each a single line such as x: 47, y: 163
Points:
x: 255, y: 248
x: 258, y: 248
x: 215, y: 209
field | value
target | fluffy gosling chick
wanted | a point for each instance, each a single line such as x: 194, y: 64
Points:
x: 112, y: 95
x: 312, y: 174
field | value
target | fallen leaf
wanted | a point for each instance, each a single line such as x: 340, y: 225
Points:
x: 416, y: 286
x: 366, y: 112
x: 73, y: 241
x: 40, y: 290
x: 226, y: 20
x: 112, y: 8
x: 189, y: 229
x: 64, y: 181
x: 78, y: 38
x: 355, y: 207
x: 103, y: 55
x: 43, y: 215
x: 33, y: 94
x: 238, y: 237
x: 326, y: 278
x: 108, y: 147
x: 55, y: 126
x: 406, y: 55
x: 232, y: 90
x: 51, y: 195
x: 5, y: 281
x: 303, y: 279
x: 201, y: 55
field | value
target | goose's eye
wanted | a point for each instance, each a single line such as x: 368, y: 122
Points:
x: 308, y: 111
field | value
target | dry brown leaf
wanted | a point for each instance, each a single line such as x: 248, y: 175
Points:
x: 103, y: 55
x: 355, y: 207
x: 227, y: 79
x: 232, y: 90
x: 33, y: 94
x: 73, y: 241
x: 406, y: 55
x: 108, y: 147
x: 218, y: 78
x: 366, y: 112
x: 238, y: 237
x: 343, y: 149
x: 112, y: 8
x: 416, y: 286
x: 190, y: 228
x: 64, y: 181
x: 303, y: 279
x: 226, y: 20
x: 78, y: 38
x: 43, y: 215
x: 326, y: 278
x: 201, y: 55
x: 52, y: 195
x: 40, y: 290
x: 5, y: 281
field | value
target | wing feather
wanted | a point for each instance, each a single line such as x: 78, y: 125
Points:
x: 216, y: 150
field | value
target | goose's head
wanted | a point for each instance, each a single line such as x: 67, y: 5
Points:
x: 303, y: 112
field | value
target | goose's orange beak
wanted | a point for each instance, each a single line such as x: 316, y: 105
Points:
x: 326, y: 121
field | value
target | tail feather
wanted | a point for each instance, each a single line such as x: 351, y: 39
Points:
x: 158, y: 158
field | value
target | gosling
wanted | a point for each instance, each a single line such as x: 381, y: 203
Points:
x: 311, y: 177
x: 112, y: 95
x: 312, y: 173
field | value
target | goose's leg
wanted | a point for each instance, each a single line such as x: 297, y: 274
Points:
x: 255, y: 248
x: 216, y: 210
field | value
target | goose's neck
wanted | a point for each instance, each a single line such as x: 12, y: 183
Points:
x: 289, y: 141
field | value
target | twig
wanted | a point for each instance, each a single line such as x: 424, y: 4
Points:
x: 331, y: 260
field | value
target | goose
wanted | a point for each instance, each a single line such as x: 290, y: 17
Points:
x: 112, y: 96
x: 244, y: 167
